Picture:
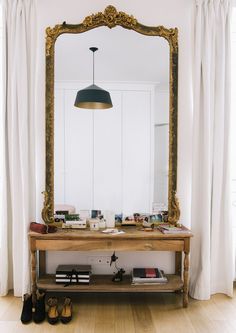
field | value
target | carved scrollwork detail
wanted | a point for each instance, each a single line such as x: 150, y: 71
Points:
x: 173, y: 39
x: 111, y: 17
x: 51, y: 36
x: 46, y: 208
x: 171, y: 35
x: 174, y: 215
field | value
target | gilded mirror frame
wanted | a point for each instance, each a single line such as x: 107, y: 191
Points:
x: 112, y: 18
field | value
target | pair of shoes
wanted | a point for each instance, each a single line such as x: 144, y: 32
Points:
x: 27, y: 313
x: 53, y: 313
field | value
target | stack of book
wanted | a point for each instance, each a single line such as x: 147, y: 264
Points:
x: 171, y: 229
x: 148, y: 276
x: 73, y: 221
x: 73, y: 274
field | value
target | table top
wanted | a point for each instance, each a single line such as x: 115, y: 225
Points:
x: 129, y: 233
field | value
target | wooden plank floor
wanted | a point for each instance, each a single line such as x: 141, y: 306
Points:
x: 130, y: 313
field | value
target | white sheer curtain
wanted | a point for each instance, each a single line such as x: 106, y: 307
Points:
x: 212, y: 253
x: 19, y: 33
x: 233, y: 122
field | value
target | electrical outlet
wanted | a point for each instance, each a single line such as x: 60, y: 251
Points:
x: 99, y: 260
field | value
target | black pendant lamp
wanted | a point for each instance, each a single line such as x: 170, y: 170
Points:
x: 93, y: 97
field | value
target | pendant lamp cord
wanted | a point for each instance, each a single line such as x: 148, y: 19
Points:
x: 93, y: 49
x: 93, y: 68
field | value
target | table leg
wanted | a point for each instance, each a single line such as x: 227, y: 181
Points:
x: 178, y: 268
x: 178, y: 263
x: 42, y: 263
x: 33, y: 275
x: 186, y: 277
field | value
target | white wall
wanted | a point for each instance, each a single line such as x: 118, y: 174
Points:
x: 161, y: 156
x: 107, y: 162
x: 170, y: 13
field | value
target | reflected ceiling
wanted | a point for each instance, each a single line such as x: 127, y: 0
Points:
x: 123, y: 56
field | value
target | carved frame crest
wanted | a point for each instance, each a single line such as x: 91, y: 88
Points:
x: 111, y: 18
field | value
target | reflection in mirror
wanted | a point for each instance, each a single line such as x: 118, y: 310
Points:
x: 115, y: 159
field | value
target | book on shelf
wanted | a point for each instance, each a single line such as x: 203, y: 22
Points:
x: 148, y: 276
x: 170, y: 229
x: 66, y: 280
x: 73, y: 274
x: 64, y: 269
x: 79, y: 276
x: 147, y: 273
x: 148, y: 282
x: 74, y: 222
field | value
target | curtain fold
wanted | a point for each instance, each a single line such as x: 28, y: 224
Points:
x: 212, y: 251
x: 19, y: 24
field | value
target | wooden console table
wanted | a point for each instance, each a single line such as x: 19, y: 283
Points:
x: 131, y: 240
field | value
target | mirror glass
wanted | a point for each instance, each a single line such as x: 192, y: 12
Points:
x: 114, y: 159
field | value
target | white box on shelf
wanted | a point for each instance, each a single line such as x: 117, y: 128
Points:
x: 79, y: 224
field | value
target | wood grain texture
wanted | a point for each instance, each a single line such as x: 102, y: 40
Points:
x: 132, y: 240
x: 186, y: 272
x: 42, y: 263
x: 178, y: 263
x: 33, y: 275
x: 186, y: 278
x: 109, y: 245
x: 129, y: 313
x: 142, y: 316
x: 130, y: 233
x: 104, y: 283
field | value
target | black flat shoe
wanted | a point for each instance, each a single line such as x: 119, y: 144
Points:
x: 66, y: 314
x: 52, y: 315
x: 26, y: 314
x: 39, y: 314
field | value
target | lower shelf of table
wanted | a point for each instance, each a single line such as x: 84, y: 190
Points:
x: 104, y: 283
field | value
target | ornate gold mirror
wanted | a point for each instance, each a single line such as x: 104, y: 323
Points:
x: 61, y: 118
